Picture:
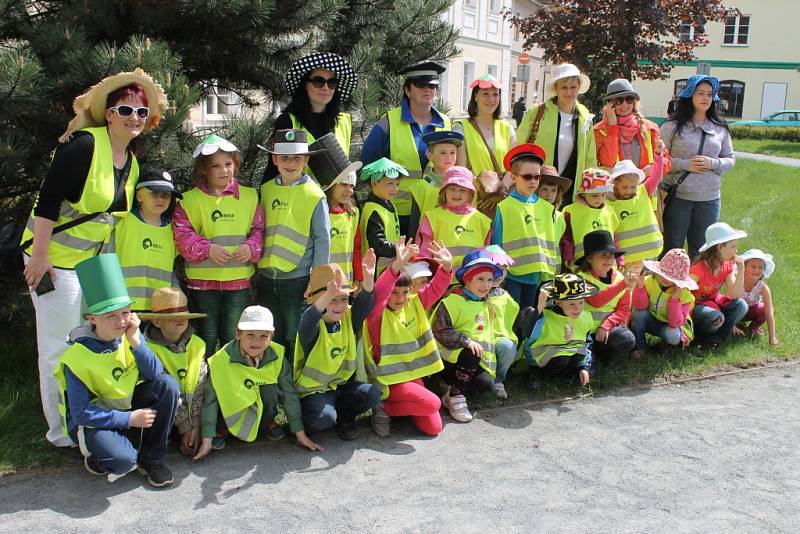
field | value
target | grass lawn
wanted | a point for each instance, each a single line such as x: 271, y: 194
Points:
x: 768, y: 215
x: 770, y: 147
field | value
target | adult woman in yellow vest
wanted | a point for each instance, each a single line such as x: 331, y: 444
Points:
x: 611, y: 306
x: 487, y: 138
x: 320, y: 86
x: 93, y: 171
x: 398, y: 134
x: 454, y: 221
x: 562, y: 125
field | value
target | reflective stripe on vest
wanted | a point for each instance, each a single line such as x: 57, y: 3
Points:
x: 391, y: 228
x: 473, y: 318
x: 529, y: 236
x: 147, y: 256
x: 342, y: 132
x: 110, y: 377
x: 657, y: 304
x: 343, y: 234
x: 584, y: 219
x: 552, y: 343
x: 599, y: 314
x: 288, y: 210
x: 505, y: 310
x: 638, y: 233
x: 225, y: 221
x: 184, y: 367
x: 403, y: 150
x: 424, y: 194
x: 330, y: 363
x: 461, y: 233
x: 238, y: 387
x: 69, y: 247
x: 478, y: 153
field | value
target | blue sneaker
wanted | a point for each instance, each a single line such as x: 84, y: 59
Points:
x: 276, y: 432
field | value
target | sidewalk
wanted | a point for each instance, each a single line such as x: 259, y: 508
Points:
x: 790, y: 162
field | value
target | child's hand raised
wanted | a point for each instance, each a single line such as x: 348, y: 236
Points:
x: 404, y: 251
x: 368, y: 263
x: 542, y: 302
x: 440, y: 253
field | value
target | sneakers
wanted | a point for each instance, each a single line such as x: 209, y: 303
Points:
x: 276, y: 432
x: 217, y: 443
x: 500, y: 391
x: 347, y: 431
x: 93, y: 466
x: 381, y: 421
x: 157, y: 476
x: 457, y: 406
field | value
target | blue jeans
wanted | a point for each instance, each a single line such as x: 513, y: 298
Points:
x: 505, y: 350
x: 643, y: 323
x: 523, y: 294
x: 223, y: 309
x: 284, y: 298
x: 687, y: 220
x: 321, y: 411
x: 717, y: 325
x: 112, y: 448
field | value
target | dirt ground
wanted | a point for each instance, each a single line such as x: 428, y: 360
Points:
x: 714, y: 456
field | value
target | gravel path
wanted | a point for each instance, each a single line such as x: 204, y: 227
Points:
x: 710, y: 456
x: 791, y: 162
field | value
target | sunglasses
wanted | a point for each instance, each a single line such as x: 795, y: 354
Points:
x: 319, y: 82
x: 630, y: 99
x: 529, y: 177
x: 425, y: 85
x: 126, y: 111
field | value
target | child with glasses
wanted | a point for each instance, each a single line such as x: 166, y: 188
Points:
x: 524, y: 226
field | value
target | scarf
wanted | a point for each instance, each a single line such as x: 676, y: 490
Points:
x: 628, y: 128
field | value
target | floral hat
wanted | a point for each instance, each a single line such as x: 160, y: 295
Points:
x: 595, y: 181
x: 674, y: 266
x: 211, y: 144
x: 486, y: 81
x: 376, y: 170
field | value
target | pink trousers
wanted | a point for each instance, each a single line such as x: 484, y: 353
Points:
x: 415, y: 400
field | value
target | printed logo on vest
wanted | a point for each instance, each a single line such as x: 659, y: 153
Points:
x: 334, y: 232
x: 148, y: 243
x: 217, y: 215
x: 248, y: 383
x: 625, y: 214
x: 277, y: 203
x: 595, y: 225
x: 181, y: 373
x: 528, y: 218
x: 461, y: 229
x: 116, y: 373
x: 336, y: 352
x: 411, y: 322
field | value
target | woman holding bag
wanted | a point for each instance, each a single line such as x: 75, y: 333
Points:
x: 487, y: 138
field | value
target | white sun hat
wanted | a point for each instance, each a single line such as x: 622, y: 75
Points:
x: 719, y: 233
x: 758, y: 254
x: 626, y: 166
x: 568, y: 70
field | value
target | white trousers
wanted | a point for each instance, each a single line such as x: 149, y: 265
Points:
x: 57, y: 313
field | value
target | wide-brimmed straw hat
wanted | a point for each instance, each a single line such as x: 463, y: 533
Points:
x: 569, y: 287
x: 549, y: 175
x: 674, y: 266
x: 90, y: 107
x: 567, y: 70
x: 320, y: 276
x: 719, y: 233
x: 169, y: 303
x: 346, y: 77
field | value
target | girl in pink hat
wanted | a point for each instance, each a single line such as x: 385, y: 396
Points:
x: 663, y: 301
x: 454, y: 221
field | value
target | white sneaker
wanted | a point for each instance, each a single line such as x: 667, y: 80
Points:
x: 381, y: 421
x: 457, y: 406
x: 500, y: 391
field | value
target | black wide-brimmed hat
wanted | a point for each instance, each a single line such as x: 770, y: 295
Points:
x: 346, y: 77
x: 331, y: 166
x: 600, y: 242
x: 569, y: 287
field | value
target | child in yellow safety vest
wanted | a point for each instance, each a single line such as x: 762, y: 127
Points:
x: 297, y: 234
x: 552, y: 188
x: 442, y: 152
x: 638, y: 233
x: 248, y: 378
x: 588, y: 212
x: 144, y: 242
x: 344, y: 216
x: 558, y: 343
x: 611, y: 306
x: 325, y: 352
x: 463, y: 328
x: 219, y: 229
x: 171, y: 338
x: 454, y: 221
x: 110, y: 382
x: 380, y: 226
x: 399, y: 349
x: 505, y: 311
x: 524, y: 226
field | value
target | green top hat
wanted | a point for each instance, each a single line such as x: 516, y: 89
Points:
x: 103, y: 284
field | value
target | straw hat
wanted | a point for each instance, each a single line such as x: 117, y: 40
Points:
x: 90, y: 107
x: 169, y: 303
x: 320, y: 276
x: 549, y: 175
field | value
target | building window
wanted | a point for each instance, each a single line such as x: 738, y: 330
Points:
x: 466, y: 92
x: 686, y: 32
x: 469, y: 21
x: 731, y: 98
x: 516, y: 28
x: 492, y: 69
x: 220, y: 101
x: 495, y: 6
x: 679, y: 85
x: 494, y: 26
x: 513, y: 89
x: 473, y: 4
x: 737, y: 31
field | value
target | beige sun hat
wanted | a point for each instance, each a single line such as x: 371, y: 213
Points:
x: 567, y: 70
x: 90, y: 107
x: 169, y: 303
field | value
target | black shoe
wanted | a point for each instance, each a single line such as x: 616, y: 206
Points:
x: 93, y: 466
x: 347, y: 431
x: 158, y: 475
x: 70, y: 451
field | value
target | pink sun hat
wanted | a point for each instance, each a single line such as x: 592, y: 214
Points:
x: 460, y: 176
x: 674, y: 266
x: 486, y: 81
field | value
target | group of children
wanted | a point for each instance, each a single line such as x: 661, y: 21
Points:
x: 352, y: 317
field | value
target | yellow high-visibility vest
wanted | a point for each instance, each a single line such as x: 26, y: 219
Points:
x: 599, y: 314
x: 584, y: 219
x: 342, y: 132
x: 391, y: 228
x: 553, y: 343
x: 461, y: 233
x: 473, y: 318
x: 478, y: 153
x: 344, y: 227
x: 657, y: 299
x: 638, y: 233
x: 184, y: 367
x: 529, y: 236
x: 330, y: 363
x: 505, y: 311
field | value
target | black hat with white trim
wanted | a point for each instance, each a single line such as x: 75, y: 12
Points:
x: 427, y: 71
x: 157, y: 180
x: 346, y: 77
x: 290, y: 143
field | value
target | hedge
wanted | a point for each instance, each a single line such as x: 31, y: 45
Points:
x: 791, y: 134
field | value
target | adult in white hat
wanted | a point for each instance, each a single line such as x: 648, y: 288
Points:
x: 92, y: 175
x: 562, y: 125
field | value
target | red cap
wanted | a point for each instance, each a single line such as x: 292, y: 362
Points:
x: 524, y: 150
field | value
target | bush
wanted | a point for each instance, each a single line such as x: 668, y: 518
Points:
x: 791, y: 134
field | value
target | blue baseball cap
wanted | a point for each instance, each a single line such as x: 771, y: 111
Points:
x: 693, y: 81
x: 443, y: 136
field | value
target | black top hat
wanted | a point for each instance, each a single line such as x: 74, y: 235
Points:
x: 330, y: 161
x: 599, y: 242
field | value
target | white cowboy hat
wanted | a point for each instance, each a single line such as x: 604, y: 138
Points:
x: 719, y: 233
x: 626, y: 166
x: 757, y: 254
x: 567, y: 70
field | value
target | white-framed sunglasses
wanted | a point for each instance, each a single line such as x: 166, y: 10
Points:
x: 126, y: 111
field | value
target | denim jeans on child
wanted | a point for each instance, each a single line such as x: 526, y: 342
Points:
x: 321, y: 411
x: 505, y: 350
x: 224, y: 307
x: 716, y: 325
x: 643, y: 323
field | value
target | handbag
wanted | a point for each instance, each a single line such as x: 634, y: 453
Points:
x: 672, y: 190
x: 499, y: 194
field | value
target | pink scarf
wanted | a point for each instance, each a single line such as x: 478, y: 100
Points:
x: 628, y: 128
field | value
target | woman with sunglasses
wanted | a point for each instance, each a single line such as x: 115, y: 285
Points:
x: 319, y: 85
x: 90, y: 184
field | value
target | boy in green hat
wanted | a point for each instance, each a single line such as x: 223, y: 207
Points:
x: 380, y: 226
x: 111, y: 382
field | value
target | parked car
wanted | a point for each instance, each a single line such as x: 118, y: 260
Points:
x: 786, y: 117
